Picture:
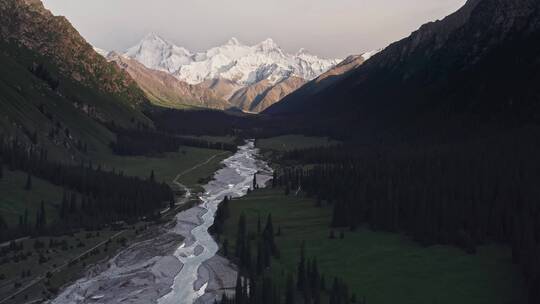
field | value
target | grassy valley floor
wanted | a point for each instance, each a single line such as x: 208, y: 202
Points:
x: 382, y: 267
x: 169, y: 165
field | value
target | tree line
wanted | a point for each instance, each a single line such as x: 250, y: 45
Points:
x: 93, y: 196
x: 147, y: 142
x: 465, y: 194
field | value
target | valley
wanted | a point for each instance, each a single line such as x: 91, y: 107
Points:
x: 252, y: 172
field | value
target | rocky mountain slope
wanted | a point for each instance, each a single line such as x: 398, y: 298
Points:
x: 165, y: 90
x: 249, y: 77
x: 476, y: 66
x: 55, y: 90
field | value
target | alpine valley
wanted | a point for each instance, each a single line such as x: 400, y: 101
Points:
x: 246, y: 174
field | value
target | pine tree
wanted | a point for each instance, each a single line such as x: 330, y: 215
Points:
x: 225, y: 248
x: 64, y: 206
x: 241, y: 237
x: 28, y: 185
x: 21, y: 223
x: 258, y: 224
x: 36, y: 223
x: 268, y: 235
x: 290, y: 292
x: 255, y: 186
x: 25, y: 218
x: 3, y: 223
x: 301, y: 281
x: 43, y: 216
x: 73, y: 203
x: 239, y: 290
x: 260, y: 258
x: 152, y: 177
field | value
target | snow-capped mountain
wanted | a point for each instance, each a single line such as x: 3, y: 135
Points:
x: 156, y: 53
x: 233, y: 61
x: 249, y: 77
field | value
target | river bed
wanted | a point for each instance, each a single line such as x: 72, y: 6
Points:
x: 179, y: 265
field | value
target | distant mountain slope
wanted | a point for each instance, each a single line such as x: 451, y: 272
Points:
x: 261, y: 95
x: 245, y: 71
x: 479, y: 64
x: 165, y: 90
x: 55, y: 89
x: 330, y: 77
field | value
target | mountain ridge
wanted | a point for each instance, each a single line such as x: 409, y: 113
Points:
x: 448, y: 70
x: 56, y: 92
x: 246, y: 74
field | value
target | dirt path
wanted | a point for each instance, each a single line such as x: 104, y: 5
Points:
x: 187, y: 196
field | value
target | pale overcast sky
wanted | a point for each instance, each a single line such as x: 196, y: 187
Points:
x: 334, y: 28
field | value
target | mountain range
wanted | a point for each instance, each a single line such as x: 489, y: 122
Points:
x: 479, y: 66
x: 250, y: 78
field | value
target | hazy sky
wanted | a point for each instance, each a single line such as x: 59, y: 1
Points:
x: 333, y: 28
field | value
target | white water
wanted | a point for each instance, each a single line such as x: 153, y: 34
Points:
x: 162, y: 269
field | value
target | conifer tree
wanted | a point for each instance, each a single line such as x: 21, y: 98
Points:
x: 64, y: 206
x: 43, y: 216
x: 301, y: 271
x: 241, y: 236
x: 25, y: 219
x: 239, y: 290
x: 28, y: 185
x: 3, y: 223
x: 225, y: 248
x: 260, y: 258
x: 290, y: 291
x: 255, y: 186
x: 258, y: 224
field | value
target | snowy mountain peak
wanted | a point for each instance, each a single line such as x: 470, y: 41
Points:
x: 268, y: 45
x: 157, y: 53
x: 154, y: 37
x: 302, y: 51
x: 233, y: 41
x: 233, y: 61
